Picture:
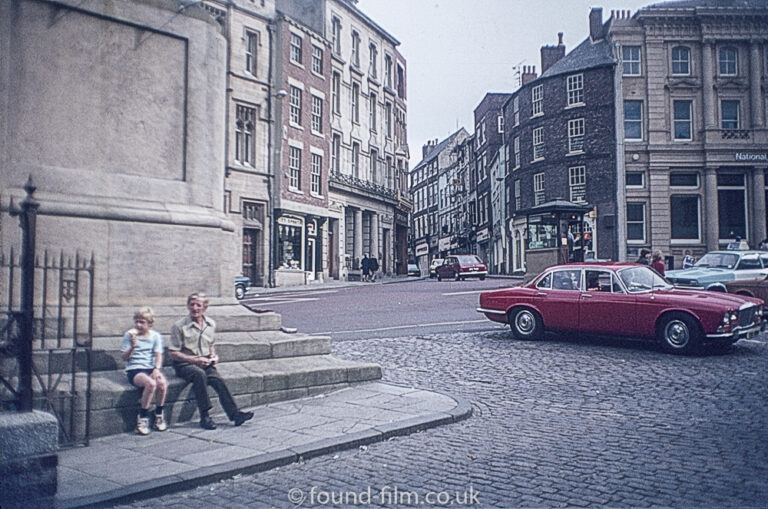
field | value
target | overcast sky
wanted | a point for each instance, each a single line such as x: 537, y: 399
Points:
x: 458, y: 50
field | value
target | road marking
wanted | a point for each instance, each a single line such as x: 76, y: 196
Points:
x: 400, y: 327
x: 268, y: 300
x: 470, y: 292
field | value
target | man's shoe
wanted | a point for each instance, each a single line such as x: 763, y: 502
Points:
x: 160, y: 424
x: 142, y: 425
x: 207, y: 423
x: 241, y: 417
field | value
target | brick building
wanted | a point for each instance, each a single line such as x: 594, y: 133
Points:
x: 559, y: 132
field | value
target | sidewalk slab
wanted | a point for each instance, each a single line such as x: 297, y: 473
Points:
x: 280, y: 433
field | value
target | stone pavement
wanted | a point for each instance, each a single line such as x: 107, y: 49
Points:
x: 130, y: 466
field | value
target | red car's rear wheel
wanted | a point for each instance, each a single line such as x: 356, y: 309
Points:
x: 525, y: 323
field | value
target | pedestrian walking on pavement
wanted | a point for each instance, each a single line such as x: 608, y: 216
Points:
x: 142, y: 349
x: 657, y: 261
x: 373, y: 266
x: 365, y: 265
x: 194, y: 359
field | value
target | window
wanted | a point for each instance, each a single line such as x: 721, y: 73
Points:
x: 388, y: 71
x: 294, y: 168
x: 682, y: 121
x: 538, y: 143
x: 355, y: 49
x: 374, y: 57
x: 635, y: 179
x: 372, y: 112
x: 390, y: 172
x: 516, y: 145
x: 636, y: 222
x: 317, y: 60
x: 295, y: 105
x: 356, y: 103
x: 317, y: 114
x: 355, y: 159
x: 538, y: 189
x: 681, y: 60
x: 688, y: 179
x: 244, y: 124
x: 575, y: 89
x: 374, y: 160
x: 400, y: 82
x: 537, y: 100
x: 251, y: 47
x: 729, y: 61
x: 518, y: 198
x: 335, y: 92
x: 684, y: 216
x: 336, y: 36
x: 577, y: 180
x: 633, y: 120
x: 729, y: 114
x: 296, y: 49
x: 388, y: 118
x: 335, y: 153
x: 566, y: 280
x: 630, y: 56
x: 500, y: 124
x: 576, y: 135
x: 516, y: 110
x: 732, y: 205
x: 317, y: 164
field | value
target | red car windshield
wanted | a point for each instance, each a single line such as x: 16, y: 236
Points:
x: 468, y: 259
x: 642, y: 279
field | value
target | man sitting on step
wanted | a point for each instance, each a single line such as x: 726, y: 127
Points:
x: 194, y: 359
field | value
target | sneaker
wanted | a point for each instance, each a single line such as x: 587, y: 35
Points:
x: 142, y: 425
x: 241, y: 417
x: 160, y: 424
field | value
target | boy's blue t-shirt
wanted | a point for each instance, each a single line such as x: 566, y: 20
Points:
x: 143, y: 355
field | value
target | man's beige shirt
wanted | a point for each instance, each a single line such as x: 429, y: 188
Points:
x: 189, y: 338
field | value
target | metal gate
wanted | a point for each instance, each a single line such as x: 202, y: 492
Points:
x: 47, y: 303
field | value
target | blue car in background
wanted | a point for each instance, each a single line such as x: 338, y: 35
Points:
x: 241, y: 286
x: 716, y: 268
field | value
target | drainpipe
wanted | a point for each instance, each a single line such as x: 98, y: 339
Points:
x: 271, y: 172
x: 621, y: 187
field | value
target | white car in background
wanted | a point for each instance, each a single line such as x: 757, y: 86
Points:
x: 434, y: 265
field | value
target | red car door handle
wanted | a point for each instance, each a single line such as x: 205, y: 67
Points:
x: 541, y: 294
x: 586, y: 295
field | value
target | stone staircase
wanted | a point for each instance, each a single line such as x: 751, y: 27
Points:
x: 259, y: 362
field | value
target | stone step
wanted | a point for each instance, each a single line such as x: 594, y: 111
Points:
x: 242, y: 346
x: 115, y: 403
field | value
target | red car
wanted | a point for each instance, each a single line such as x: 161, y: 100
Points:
x: 623, y: 299
x: 460, y: 267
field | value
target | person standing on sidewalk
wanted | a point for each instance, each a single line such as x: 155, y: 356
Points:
x: 365, y: 265
x: 142, y: 349
x: 657, y: 261
x: 373, y: 266
x: 194, y: 359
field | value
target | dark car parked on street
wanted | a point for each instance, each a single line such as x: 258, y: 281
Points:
x: 241, y: 286
x: 460, y: 267
x: 620, y: 299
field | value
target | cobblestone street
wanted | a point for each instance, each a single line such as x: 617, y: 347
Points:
x: 558, y: 423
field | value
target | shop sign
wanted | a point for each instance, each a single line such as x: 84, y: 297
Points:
x: 444, y: 244
x: 290, y: 221
x: 422, y: 249
x: 747, y: 157
x: 482, y: 235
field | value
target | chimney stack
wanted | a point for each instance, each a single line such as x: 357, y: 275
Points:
x: 529, y: 73
x: 596, y: 23
x: 551, y: 54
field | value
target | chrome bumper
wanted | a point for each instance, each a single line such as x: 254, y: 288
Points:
x: 740, y: 332
x: 491, y: 311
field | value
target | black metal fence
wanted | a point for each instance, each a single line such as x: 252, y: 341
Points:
x: 46, y: 331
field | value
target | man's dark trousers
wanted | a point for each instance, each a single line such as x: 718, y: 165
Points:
x: 200, y: 378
